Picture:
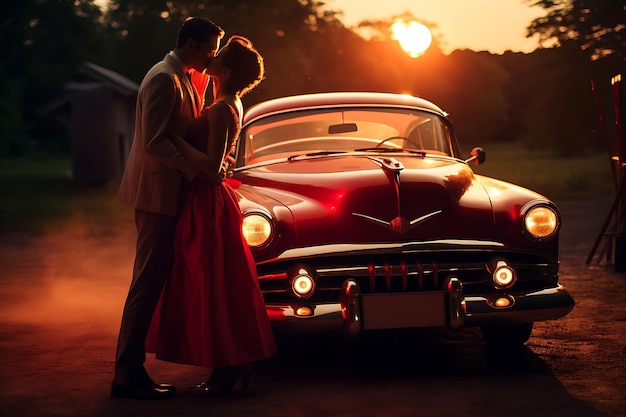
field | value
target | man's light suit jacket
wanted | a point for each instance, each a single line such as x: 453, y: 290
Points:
x: 155, y: 168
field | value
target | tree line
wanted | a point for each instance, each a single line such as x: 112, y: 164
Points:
x: 542, y: 99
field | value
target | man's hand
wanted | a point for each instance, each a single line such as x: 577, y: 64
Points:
x: 211, y: 180
x: 226, y: 164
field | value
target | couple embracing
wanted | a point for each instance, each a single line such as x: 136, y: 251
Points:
x: 194, y: 297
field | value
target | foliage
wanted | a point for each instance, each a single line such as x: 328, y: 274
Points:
x: 543, y: 98
x: 561, y: 117
x: 551, y: 101
x: 590, y: 42
x: 462, y: 81
x: 595, y: 27
x: 278, y: 29
x: 44, y: 42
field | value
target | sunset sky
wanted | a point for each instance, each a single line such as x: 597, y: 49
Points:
x: 480, y: 25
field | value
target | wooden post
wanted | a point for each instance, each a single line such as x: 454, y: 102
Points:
x: 616, y: 235
x: 620, y: 220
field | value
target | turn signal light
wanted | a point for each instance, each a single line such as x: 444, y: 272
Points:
x: 504, y: 275
x: 502, y: 302
x: 303, y: 284
x: 303, y: 311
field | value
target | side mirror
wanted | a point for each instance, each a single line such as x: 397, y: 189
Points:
x: 478, y: 156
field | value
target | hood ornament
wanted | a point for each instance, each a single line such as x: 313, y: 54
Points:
x: 399, y: 224
x: 388, y: 164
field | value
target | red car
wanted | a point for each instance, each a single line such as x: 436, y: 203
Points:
x: 362, y: 213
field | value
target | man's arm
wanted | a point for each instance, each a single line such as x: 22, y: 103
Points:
x: 159, y: 103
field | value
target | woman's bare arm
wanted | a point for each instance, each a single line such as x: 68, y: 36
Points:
x: 209, y: 163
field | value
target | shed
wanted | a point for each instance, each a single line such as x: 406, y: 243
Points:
x: 99, y: 113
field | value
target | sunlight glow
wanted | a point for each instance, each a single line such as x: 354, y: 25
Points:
x: 413, y: 37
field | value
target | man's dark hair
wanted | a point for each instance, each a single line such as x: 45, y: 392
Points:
x: 198, y: 29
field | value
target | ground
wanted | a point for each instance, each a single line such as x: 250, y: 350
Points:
x: 61, y: 296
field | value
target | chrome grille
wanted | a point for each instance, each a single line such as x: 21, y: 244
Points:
x: 391, y: 274
x: 387, y: 277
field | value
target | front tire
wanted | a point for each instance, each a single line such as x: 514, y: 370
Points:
x: 507, y: 335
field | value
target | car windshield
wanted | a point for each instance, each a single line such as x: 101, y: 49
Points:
x: 320, y: 131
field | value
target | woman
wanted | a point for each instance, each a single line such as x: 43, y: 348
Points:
x: 212, y: 313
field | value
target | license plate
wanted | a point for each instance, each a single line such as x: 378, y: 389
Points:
x: 395, y: 311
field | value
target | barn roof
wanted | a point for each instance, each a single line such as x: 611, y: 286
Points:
x: 93, y: 77
x: 111, y: 79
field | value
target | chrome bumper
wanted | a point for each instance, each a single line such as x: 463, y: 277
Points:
x: 448, y: 308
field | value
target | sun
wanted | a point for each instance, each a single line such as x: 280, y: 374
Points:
x: 413, y: 37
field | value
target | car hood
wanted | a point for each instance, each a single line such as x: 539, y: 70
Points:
x: 360, y: 199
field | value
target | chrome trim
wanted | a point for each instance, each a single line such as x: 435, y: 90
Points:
x: 387, y: 277
x: 390, y: 164
x: 348, y: 249
x: 548, y: 304
x: 455, y: 303
x: 293, y: 106
x: 273, y: 277
x: 351, y: 307
x: 399, y: 224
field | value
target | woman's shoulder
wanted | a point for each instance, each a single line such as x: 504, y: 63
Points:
x: 229, y: 104
x: 225, y: 107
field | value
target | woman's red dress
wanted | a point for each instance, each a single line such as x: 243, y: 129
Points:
x: 211, y: 312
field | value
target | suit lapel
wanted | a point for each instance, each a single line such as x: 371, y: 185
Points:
x: 179, y: 70
x: 197, y: 99
x: 191, y: 91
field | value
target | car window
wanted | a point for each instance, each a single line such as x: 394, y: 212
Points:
x: 342, y: 130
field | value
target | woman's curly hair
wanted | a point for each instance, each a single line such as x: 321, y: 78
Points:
x: 245, y: 64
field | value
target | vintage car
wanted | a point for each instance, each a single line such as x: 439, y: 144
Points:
x: 362, y: 214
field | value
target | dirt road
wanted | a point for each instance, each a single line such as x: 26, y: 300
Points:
x: 61, y: 296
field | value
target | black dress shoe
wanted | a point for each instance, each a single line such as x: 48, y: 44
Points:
x: 143, y: 392
x: 224, y: 380
x: 164, y: 387
x: 141, y: 378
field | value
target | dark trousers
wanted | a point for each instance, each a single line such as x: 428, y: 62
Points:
x: 153, y: 260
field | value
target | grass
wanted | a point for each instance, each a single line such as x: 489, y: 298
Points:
x: 38, y: 193
x: 581, y: 177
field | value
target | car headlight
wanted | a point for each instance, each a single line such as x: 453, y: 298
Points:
x: 541, y: 222
x: 257, y: 230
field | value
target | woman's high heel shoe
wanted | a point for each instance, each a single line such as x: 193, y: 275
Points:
x: 223, y: 380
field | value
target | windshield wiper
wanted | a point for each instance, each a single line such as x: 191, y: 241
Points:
x: 375, y: 149
x: 320, y: 153
x: 390, y: 150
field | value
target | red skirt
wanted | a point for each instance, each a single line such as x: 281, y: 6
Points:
x: 211, y: 312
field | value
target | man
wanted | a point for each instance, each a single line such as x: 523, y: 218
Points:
x: 154, y: 183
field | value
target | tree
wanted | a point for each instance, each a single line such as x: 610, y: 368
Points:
x: 596, y: 27
x: 589, y: 39
x: 470, y: 86
x: 283, y: 31
x: 44, y: 42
